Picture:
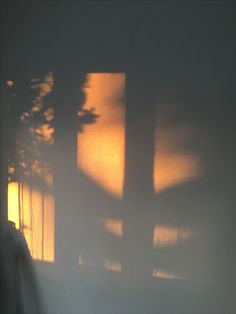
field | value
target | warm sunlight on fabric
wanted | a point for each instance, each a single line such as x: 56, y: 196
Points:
x: 101, y: 145
x: 159, y: 273
x: 33, y: 212
x: 113, y: 226
x: 174, y: 164
x: 168, y: 236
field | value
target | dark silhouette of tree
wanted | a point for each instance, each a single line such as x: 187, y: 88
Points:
x: 30, y: 110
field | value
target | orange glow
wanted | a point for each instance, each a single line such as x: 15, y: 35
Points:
x: 49, y: 114
x: 113, y: 266
x: 44, y: 87
x: 10, y: 83
x: 44, y: 132
x: 36, y: 210
x: 167, y: 236
x: 13, y: 204
x: 159, y: 273
x: 114, y: 226
x: 173, y: 163
x: 48, y: 177
x: 101, y: 145
x: 48, y: 228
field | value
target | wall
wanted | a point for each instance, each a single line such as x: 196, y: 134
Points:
x: 144, y: 191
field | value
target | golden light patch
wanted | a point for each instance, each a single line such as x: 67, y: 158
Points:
x: 49, y: 114
x: 33, y: 212
x: 159, y: 273
x: 48, y: 177
x: 114, y: 226
x: 168, y: 236
x: 13, y: 203
x: 44, y: 87
x: 113, y: 266
x: 101, y: 144
x: 10, y: 83
x: 173, y: 164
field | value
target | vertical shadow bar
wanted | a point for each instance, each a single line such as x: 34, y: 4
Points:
x: 138, y: 187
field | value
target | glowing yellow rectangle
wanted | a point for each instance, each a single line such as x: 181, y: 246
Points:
x: 101, y: 144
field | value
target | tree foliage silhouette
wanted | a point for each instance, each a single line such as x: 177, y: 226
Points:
x: 30, y: 110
